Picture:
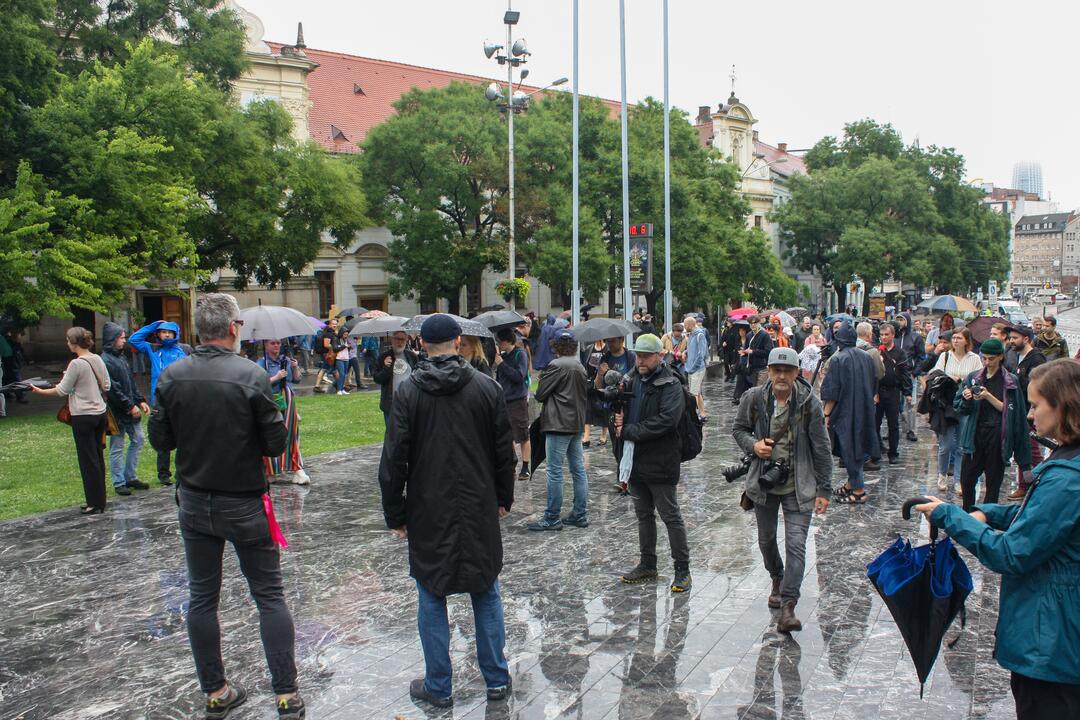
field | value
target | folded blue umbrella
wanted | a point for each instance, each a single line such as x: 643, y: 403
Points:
x: 924, y: 588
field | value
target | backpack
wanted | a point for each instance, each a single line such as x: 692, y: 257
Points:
x: 691, y: 428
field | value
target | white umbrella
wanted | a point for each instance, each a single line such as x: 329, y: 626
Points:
x: 273, y: 322
x: 386, y: 325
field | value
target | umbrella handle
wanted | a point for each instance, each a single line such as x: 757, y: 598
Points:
x: 905, y: 511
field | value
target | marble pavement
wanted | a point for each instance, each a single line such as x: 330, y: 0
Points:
x: 92, y: 620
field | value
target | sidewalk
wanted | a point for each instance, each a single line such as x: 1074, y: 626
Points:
x: 93, y: 621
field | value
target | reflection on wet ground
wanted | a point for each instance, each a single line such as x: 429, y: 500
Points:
x: 93, y: 611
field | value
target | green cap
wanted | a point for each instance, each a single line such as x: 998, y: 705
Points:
x: 992, y: 346
x: 648, y: 343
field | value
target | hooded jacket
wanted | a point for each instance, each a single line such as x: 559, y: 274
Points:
x: 850, y: 383
x: 1035, y: 546
x: 912, y: 344
x: 163, y: 356
x: 1014, y: 425
x: 563, y: 390
x: 123, y: 394
x: 810, y: 452
x: 542, y: 353
x: 447, y: 467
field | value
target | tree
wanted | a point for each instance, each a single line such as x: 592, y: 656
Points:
x: 435, y: 173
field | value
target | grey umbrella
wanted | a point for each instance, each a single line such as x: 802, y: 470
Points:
x: 386, y: 325
x: 495, y: 319
x: 602, y: 329
x: 273, y: 322
x: 351, y: 312
x: 468, y: 327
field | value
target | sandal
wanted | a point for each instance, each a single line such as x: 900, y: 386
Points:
x: 853, y: 498
x: 842, y: 492
x: 602, y: 443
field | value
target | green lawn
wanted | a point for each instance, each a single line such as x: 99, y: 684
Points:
x: 39, y: 472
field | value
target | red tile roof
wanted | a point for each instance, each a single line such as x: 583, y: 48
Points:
x: 337, y: 102
x: 792, y: 163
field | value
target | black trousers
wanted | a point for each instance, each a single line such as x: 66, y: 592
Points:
x: 888, y: 407
x: 163, y: 459
x: 1042, y: 700
x: 986, y: 460
x: 89, y: 432
x: 649, y: 499
x: 206, y: 522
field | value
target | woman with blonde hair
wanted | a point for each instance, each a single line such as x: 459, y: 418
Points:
x: 473, y: 352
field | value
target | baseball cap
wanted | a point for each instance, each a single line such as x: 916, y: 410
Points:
x: 648, y: 343
x: 783, y: 356
x: 439, y: 328
x: 992, y: 346
x: 564, y: 336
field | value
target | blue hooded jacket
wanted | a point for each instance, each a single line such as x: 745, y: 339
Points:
x: 1036, y: 547
x: 165, y: 355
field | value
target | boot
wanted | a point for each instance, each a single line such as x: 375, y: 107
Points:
x: 774, y: 596
x: 788, y: 622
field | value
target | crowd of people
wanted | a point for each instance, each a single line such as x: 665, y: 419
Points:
x: 460, y: 434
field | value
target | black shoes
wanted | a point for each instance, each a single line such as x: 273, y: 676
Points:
x: 165, y: 481
x: 121, y: 490
x: 291, y: 708
x: 419, y: 691
x: 137, y: 485
x: 220, y: 707
x: 500, y: 693
x: 870, y: 466
x: 579, y: 522
x: 639, y: 574
x: 682, y: 581
x: 911, y: 436
x: 893, y: 459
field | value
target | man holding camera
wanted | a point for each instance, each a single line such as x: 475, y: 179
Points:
x: 782, y: 424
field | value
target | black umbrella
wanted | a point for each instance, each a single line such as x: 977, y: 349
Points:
x: 924, y: 588
x: 351, y: 312
x: 489, y: 308
x: 603, y: 328
x: 538, y: 449
x: 495, y: 319
x: 468, y: 327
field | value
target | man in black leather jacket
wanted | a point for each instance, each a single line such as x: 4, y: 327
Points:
x: 217, y: 411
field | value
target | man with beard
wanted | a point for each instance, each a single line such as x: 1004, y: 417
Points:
x: 848, y: 394
x: 1027, y: 359
x: 1052, y: 344
x: 392, y: 370
x: 914, y: 350
x: 893, y: 388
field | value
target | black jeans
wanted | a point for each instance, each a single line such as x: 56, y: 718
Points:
x: 1043, y: 700
x: 987, y: 461
x: 89, y: 432
x: 206, y: 522
x: 648, y: 500
x: 889, y: 407
x: 163, y: 458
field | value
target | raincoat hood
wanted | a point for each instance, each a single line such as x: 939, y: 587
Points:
x: 169, y: 326
x: 906, y: 330
x: 109, y: 333
x: 442, y: 375
x: 845, y: 337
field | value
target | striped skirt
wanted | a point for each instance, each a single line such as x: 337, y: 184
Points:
x: 290, y: 460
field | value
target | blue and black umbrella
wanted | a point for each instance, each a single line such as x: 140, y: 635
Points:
x: 925, y: 588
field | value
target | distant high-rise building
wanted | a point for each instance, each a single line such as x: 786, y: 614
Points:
x: 1027, y: 176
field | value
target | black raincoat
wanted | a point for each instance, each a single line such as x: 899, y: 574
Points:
x: 850, y: 382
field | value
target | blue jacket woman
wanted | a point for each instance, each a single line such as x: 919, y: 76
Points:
x: 167, y: 352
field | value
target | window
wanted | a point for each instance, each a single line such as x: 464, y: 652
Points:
x: 325, y: 281
x: 757, y: 221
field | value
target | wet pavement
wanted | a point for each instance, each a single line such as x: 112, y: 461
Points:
x: 93, y: 611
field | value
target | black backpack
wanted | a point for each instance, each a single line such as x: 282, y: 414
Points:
x: 691, y: 428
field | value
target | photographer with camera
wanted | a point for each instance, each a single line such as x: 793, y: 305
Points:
x: 781, y: 427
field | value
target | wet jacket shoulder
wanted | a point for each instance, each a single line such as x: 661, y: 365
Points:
x: 655, y: 436
x: 563, y: 391
x: 216, y: 409
x: 447, y: 466
x: 1035, y: 546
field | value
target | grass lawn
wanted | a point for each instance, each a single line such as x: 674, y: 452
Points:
x: 39, y: 471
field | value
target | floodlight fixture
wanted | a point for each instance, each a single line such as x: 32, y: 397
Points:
x: 520, y: 48
x: 492, y: 92
x: 491, y: 48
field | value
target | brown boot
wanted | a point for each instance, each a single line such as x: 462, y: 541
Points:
x: 788, y: 622
x: 774, y: 596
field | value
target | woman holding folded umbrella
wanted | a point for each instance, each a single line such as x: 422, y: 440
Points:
x: 1035, y: 546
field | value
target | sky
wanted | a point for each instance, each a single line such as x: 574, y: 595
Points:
x: 999, y: 81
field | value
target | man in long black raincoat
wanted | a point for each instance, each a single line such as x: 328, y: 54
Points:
x: 848, y: 394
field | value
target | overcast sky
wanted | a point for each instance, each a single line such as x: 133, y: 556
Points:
x: 999, y: 81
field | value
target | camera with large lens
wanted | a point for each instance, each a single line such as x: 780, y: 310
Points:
x: 774, y: 475
x: 732, y: 473
x: 613, y: 391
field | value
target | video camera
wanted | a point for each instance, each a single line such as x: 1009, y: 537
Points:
x: 613, y: 391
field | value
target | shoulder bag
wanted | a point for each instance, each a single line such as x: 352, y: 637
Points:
x: 111, y: 426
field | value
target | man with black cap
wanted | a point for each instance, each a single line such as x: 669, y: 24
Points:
x: 993, y: 424
x: 1028, y: 358
x: 651, y: 423
x: 447, y: 477
x: 783, y: 425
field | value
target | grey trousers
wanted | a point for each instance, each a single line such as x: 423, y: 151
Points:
x: 648, y: 500
x: 796, y: 527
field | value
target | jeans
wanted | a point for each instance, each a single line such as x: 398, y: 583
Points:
x: 648, y: 500
x: 124, y: 472
x: 431, y: 619
x: 948, y: 450
x: 358, y: 375
x: 796, y: 527
x: 559, y: 447
x: 907, y: 408
x: 855, y: 476
x: 206, y: 522
x: 342, y: 367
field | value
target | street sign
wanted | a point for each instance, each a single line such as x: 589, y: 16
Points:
x: 877, y: 307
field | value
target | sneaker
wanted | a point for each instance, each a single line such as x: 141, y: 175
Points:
x: 318, y: 389
x: 300, y: 478
x: 545, y: 525
x: 943, y: 483
x: 871, y: 466
x: 137, y: 484
x: 1017, y: 494
x: 682, y: 581
x: 121, y: 490
x: 220, y: 707
x: 893, y: 459
x: 911, y: 436
x: 580, y: 522
x: 419, y: 691
x: 500, y: 693
x: 640, y: 574
x: 291, y: 708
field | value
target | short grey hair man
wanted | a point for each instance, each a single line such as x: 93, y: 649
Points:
x: 865, y: 331
x: 689, y: 322
x: 214, y: 313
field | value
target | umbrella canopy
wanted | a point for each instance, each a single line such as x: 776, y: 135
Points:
x: 786, y: 319
x: 948, y: 303
x: 385, y: 325
x: 797, y: 312
x: 273, y: 322
x: 495, y: 319
x: 603, y: 328
x: 488, y: 308
x: 468, y: 327
x: 924, y: 588
x: 373, y: 314
x: 743, y: 312
x: 316, y: 322
x: 355, y: 311
x: 980, y: 327
x: 840, y: 316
